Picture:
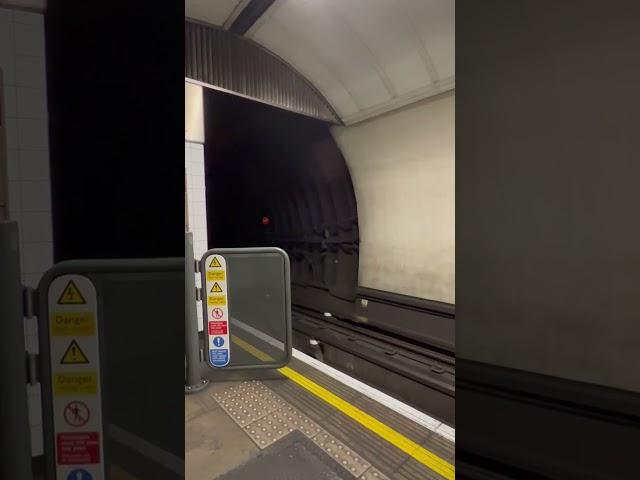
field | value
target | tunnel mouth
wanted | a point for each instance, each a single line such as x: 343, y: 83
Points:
x: 277, y: 178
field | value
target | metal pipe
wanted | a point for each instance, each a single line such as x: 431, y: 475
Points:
x: 194, y: 381
x: 14, y: 414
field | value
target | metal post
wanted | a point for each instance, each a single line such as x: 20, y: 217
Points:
x: 194, y: 382
x: 14, y: 414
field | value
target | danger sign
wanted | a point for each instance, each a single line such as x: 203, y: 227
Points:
x: 76, y: 414
x: 75, y: 378
x: 78, y: 448
x: 71, y: 295
x: 73, y: 355
x: 216, y: 308
x: 218, y: 328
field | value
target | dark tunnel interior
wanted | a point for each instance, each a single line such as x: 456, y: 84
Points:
x: 276, y: 178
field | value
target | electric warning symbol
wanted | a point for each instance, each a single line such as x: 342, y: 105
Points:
x: 71, y: 295
x: 74, y: 355
x: 216, y: 288
x: 215, y: 263
x: 76, y: 414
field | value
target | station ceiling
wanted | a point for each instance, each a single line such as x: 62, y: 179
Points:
x: 366, y: 57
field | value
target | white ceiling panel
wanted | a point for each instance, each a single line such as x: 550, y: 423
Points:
x: 335, y: 45
x: 389, y: 43
x: 215, y: 12
x: 277, y: 38
x: 366, y: 57
x: 434, y: 21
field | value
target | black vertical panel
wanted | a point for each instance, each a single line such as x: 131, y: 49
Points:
x: 115, y: 79
x: 263, y: 160
x: 547, y: 235
x: 116, y: 114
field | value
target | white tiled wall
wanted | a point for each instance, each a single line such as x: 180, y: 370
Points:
x: 194, y: 169
x: 23, y: 65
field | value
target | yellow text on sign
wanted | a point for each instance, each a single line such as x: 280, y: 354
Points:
x: 75, y: 383
x: 216, y: 300
x: 73, y: 324
x: 215, y: 275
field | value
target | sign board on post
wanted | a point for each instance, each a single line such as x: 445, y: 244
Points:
x: 247, y: 305
x: 217, y: 310
x: 75, y: 378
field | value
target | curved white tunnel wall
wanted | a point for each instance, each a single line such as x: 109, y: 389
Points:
x: 402, y: 165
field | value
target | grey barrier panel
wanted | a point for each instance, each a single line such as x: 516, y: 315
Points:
x: 246, y: 303
x: 14, y: 416
x: 135, y: 314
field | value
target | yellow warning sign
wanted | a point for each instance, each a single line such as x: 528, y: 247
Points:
x: 76, y: 324
x: 213, y: 275
x: 216, y: 288
x: 74, y: 355
x: 71, y: 295
x: 216, y: 300
x: 78, y: 383
x: 215, y: 263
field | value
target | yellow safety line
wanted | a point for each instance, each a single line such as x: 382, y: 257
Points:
x: 246, y: 346
x: 419, y: 453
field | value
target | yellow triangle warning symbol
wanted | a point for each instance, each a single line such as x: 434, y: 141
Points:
x: 216, y: 288
x: 71, y: 295
x: 73, y: 355
x: 215, y: 262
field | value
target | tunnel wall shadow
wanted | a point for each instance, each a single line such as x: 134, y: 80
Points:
x: 266, y: 163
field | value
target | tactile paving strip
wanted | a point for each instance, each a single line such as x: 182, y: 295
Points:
x: 266, y: 418
x: 315, y: 408
x: 292, y: 416
x: 347, y: 458
x: 373, y: 474
x: 248, y: 401
x: 399, y: 423
x: 267, y: 430
x: 413, y: 470
x: 382, y: 455
x: 275, y: 425
x: 441, y: 447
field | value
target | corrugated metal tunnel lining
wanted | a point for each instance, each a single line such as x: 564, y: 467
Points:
x: 225, y: 61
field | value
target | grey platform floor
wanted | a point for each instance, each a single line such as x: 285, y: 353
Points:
x: 248, y: 426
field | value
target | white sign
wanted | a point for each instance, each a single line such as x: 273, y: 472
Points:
x: 217, y: 310
x: 75, y: 379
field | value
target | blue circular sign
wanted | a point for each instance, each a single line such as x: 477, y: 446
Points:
x: 218, y: 341
x: 79, y: 474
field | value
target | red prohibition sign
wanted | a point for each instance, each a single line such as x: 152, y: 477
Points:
x: 76, y: 414
x: 217, y: 313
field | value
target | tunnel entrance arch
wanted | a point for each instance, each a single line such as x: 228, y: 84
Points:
x: 274, y: 176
